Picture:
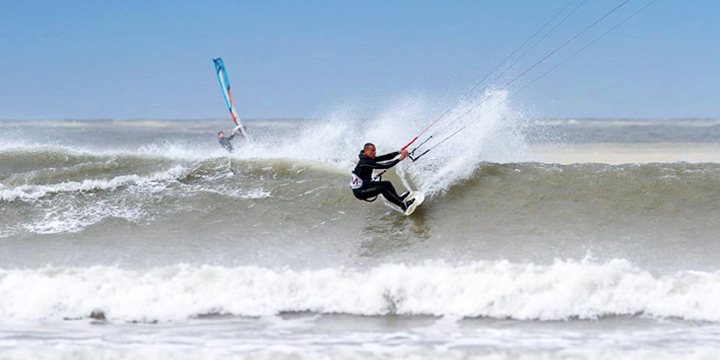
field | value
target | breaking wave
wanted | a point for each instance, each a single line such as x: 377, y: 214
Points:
x: 498, y: 289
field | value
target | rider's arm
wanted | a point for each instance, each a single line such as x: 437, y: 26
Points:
x: 385, y: 165
x: 386, y: 157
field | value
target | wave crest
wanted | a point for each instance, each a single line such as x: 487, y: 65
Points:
x: 500, y: 289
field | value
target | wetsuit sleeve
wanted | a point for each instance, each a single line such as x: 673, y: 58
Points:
x: 386, y: 157
x: 375, y: 165
x: 231, y: 137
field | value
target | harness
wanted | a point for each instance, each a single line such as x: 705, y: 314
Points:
x: 357, y: 183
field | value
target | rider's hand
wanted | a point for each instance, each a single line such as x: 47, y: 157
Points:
x: 404, y: 154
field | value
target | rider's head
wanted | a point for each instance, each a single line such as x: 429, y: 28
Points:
x: 221, y: 134
x: 369, y: 150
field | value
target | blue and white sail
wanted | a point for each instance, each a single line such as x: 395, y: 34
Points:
x: 227, y: 94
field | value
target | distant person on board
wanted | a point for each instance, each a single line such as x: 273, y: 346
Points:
x: 225, y: 141
x: 362, y: 183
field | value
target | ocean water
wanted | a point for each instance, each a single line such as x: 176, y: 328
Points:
x: 539, y: 239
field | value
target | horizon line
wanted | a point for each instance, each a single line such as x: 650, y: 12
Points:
x: 253, y: 119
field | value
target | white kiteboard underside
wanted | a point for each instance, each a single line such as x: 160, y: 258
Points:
x: 419, y: 198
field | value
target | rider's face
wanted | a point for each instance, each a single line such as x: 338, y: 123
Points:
x: 370, y: 152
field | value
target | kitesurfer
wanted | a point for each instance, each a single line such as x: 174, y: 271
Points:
x: 362, y: 182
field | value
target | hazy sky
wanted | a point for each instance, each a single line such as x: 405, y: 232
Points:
x: 152, y: 59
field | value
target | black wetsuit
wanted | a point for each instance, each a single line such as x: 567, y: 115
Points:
x: 225, y: 142
x: 364, y: 170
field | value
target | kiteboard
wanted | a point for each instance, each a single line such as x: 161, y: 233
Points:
x: 419, y: 198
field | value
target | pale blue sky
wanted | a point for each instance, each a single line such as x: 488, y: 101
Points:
x: 152, y: 59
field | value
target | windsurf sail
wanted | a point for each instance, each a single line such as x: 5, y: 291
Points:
x: 227, y: 94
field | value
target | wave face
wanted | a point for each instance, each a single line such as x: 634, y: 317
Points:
x: 500, y: 289
x: 143, y: 198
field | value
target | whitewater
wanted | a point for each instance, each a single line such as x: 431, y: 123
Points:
x: 540, y: 238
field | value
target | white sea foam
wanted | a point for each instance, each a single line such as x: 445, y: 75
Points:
x: 562, y: 290
x: 256, y: 193
x: 364, y: 352
x: 73, y: 219
x: 250, y: 194
x: 34, y: 192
